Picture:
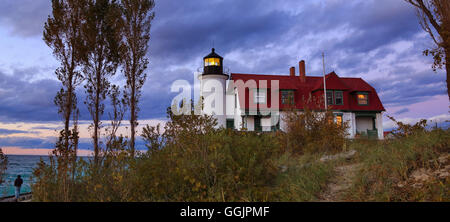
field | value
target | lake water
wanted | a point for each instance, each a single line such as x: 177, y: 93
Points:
x: 19, y: 165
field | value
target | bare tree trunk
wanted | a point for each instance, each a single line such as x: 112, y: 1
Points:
x: 68, y: 113
x: 133, y: 118
x: 96, y: 119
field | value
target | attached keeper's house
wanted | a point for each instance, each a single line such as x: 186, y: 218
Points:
x: 250, y: 101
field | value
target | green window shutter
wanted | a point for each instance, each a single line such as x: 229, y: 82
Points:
x: 258, y: 127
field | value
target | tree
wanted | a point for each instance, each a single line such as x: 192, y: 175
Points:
x: 102, y: 37
x: 137, y: 16
x: 62, y: 33
x: 434, y: 17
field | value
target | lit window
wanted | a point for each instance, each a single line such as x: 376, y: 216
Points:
x: 339, y: 120
x: 259, y: 96
x: 363, y: 99
x: 212, y: 62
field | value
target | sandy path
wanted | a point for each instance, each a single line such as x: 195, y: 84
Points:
x: 340, y: 184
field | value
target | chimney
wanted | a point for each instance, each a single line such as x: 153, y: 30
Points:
x: 302, y: 71
x: 292, y: 71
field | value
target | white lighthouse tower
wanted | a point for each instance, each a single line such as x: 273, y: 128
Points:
x: 213, y: 88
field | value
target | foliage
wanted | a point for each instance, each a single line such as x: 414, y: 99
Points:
x: 3, y: 165
x: 101, y: 34
x: 62, y: 33
x: 405, y: 130
x: 191, y: 160
x: 434, y: 17
x: 137, y: 17
x: 313, y: 132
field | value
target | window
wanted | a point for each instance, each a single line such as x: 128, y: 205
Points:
x: 338, y: 120
x: 329, y: 97
x: 230, y: 123
x: 212, y: 62
x: 258, y: 127
x: 363, y: 98
x: 259, y: 96
x: 338, y: 98
x: 287, y: 97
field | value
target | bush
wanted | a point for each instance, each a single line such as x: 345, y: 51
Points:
x: 190, y: 160
x: 313, y: 132
x: 405, y: 130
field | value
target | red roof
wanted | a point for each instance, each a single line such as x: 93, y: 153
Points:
x: 312, y: 90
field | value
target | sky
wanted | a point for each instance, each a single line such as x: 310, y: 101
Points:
x: 380, y: 41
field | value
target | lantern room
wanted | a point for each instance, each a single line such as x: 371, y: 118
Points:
x: 212, y: 64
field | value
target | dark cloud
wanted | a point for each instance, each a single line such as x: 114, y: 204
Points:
x: 8, y: 132
x: 405, y: 86
x: 27, y: 142
x: 21, y: 100
x: 25, y: 17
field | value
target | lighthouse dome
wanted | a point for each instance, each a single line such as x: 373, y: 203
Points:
x: 212, y: 63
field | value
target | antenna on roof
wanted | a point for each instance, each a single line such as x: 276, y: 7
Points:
x: 324, y: 82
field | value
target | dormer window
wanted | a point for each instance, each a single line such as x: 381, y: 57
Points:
x: 335, y: 97
x: 363, y: 98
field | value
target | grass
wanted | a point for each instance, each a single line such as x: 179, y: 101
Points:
x: 304, y: 178
x: 386, y: 164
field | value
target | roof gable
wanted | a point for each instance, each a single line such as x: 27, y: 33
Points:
x: 333, y: 83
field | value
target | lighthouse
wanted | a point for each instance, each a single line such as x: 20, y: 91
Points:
x: 213, y: 82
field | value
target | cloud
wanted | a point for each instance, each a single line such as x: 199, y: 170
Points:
x: 442, y: 121
x: 404, y: 110
x: 21, y: 100
x: 8, y: 132
x: 26, y: 142
x: 26, y: 17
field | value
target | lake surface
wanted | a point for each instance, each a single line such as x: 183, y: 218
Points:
x: 19, y: 165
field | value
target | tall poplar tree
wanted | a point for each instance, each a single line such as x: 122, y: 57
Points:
x: 102, y: 37
x: 137, y: 16
x: 62, y: 33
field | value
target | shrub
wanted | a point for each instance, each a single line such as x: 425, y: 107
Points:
x: 313, y: 132
x: 405, y: 130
